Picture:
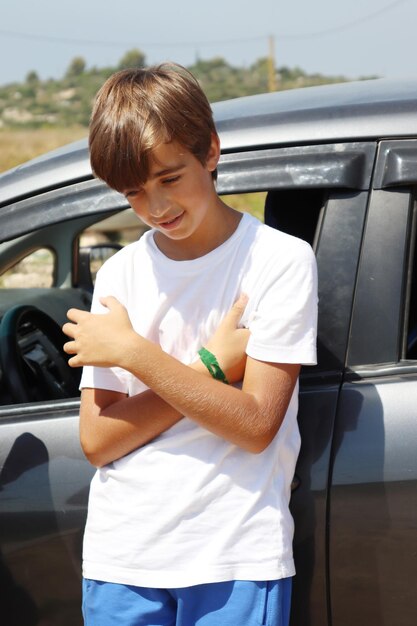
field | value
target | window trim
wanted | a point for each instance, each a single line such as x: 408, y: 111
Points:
x: 340, y: 165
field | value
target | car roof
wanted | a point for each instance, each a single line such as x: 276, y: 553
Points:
x: 339, y: 112
x: 349, y: 111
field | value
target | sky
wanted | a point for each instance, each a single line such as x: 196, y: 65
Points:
x: 353, y: 39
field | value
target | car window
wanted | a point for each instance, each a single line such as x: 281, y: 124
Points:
x: 36, y: 269
x: 66, y: 263
x: 293, y: 211
x: 296, y: 211
x: 101, y: 240
x: 121, y: 228
x: 253, y: 203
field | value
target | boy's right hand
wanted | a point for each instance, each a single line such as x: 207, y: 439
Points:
x: 229, y: 342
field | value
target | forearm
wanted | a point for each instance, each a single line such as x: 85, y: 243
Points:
x: 111, y: 429
x: 233, y: 414
x: 115, y: 430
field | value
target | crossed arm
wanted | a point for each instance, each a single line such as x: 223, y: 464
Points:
x: 113, y: 425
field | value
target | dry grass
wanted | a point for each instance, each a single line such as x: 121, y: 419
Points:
x: 248, y: 202
x: 18, y: 146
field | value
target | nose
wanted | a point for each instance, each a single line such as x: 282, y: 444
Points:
x: 158, y: 204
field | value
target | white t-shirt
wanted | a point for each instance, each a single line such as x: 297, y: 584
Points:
x: 190, y: 507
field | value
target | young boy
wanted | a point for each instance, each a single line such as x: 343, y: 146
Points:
x: 188, y: 519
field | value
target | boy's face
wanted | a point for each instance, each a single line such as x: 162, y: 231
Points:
x: 179, y: 200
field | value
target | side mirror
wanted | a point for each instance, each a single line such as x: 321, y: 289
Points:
x: 90, y: 259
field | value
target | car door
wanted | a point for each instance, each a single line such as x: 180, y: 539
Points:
x: 43, y: 496
x: 373, y: 510
x: 318, y: 193
x: 44, y: 476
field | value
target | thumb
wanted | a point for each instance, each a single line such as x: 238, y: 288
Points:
x: 110, y: 302
x: 236, y: 312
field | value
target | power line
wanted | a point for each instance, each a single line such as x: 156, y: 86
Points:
x: 124, y: 43
x: 65, y: 40
x: 346, y: 25
x: 176, y: 44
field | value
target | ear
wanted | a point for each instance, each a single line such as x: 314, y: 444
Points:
x: 213, y: 154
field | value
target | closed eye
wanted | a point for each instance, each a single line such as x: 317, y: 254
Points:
x: 171, y: 179
x: 132, y: 193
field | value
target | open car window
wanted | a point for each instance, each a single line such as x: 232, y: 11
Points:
x: 36, y: 269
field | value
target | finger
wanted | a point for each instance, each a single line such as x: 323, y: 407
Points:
x: 236, y: 312
x: 110, y: 302
x: 69, y: 329
x: 73, y: 362
x: 75, y: 315
x: 242, y: 301
x: 69, y: 347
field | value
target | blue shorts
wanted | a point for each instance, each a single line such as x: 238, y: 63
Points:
x: 233, y: 603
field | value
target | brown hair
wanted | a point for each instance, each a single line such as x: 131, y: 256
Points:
x: 138, y: 109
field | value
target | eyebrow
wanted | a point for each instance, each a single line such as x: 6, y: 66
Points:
x: 168, y: 170
x: 165, y: 172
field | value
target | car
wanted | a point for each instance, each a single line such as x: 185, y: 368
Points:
x: 335, y: 165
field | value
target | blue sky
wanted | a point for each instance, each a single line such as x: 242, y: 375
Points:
x: 356, y: 38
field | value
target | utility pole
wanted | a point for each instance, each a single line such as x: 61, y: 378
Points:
x: 272, y: 79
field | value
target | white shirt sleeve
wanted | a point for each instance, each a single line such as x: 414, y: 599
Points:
x: 283, y: 319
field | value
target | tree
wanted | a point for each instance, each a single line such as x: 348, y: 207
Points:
x: 76, y: 67
x: 258, y: 73
x: 132, y: 58
x: 32, y: 78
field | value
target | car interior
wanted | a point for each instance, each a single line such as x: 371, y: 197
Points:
x: 42, y: 275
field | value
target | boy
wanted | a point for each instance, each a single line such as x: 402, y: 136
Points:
x: 188, y: 517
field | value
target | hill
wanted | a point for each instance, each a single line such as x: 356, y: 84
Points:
x: 58, y: 110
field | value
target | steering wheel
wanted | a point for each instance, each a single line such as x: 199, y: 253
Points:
x: 34, y: 365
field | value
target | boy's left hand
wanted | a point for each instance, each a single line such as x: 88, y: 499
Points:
x: 98, y: 339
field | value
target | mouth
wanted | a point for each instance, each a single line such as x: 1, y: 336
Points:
x: 171, y: 223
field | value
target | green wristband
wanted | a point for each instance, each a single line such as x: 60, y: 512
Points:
x: 212, y: 365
